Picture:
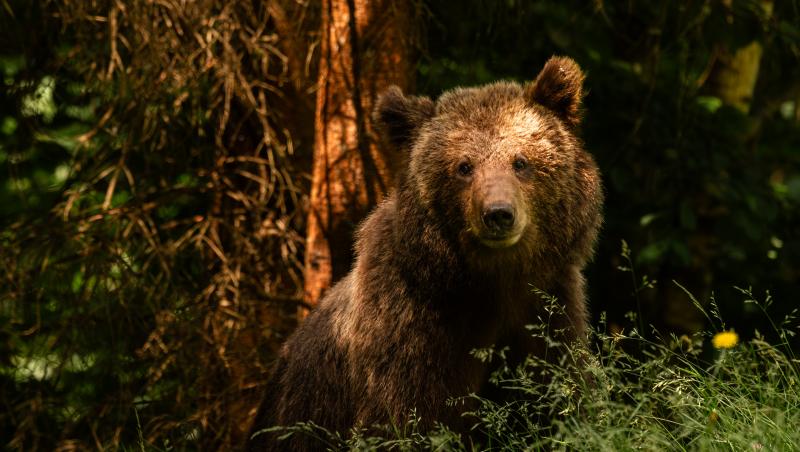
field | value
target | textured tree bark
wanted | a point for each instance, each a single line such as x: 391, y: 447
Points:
x: 366, y: 45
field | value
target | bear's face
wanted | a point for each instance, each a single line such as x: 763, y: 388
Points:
x: 494, y: 163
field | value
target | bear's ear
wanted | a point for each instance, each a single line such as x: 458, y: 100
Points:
x: 559, y: 87
x: 399, y: 117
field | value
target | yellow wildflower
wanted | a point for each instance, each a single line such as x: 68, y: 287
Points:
x: 725, y: 339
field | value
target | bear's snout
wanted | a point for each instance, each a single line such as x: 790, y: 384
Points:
x: 499, y: 217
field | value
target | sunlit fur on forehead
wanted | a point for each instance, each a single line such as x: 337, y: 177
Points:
x: 480, y: 122
x: 480, y: 106
x: 516, y: 128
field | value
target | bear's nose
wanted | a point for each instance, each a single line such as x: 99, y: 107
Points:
x: 499, y: 217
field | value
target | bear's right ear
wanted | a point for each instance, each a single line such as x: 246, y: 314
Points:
x: 399, y: 117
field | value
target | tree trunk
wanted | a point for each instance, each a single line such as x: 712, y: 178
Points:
x: 366, y: 46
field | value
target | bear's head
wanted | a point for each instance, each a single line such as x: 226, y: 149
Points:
x: 500, y: 165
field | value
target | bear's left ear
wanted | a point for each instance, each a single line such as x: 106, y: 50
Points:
x: 399, y: 117
x: 559, y: 87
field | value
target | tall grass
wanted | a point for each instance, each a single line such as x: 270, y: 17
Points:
x: 628, y: 393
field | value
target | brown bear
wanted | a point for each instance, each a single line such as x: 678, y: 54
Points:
x: 498, y: 197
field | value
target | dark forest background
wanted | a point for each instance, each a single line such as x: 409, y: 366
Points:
x: 160, y: 161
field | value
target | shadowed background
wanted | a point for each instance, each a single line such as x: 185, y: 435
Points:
x: 177, y: 179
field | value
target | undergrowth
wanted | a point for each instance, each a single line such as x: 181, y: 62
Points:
x: 629, y: 392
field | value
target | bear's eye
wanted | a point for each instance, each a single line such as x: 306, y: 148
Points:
x: 520, y: 164
x: 465, y: 169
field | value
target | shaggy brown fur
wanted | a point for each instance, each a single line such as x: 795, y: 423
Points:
x: 498, y: 197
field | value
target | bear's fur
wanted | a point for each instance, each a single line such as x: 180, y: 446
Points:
x: 498, y: 197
